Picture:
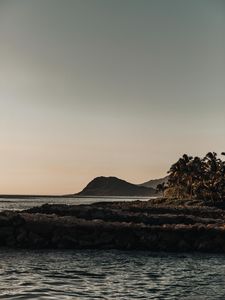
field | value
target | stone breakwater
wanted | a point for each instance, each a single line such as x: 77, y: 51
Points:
x: 116, y: 225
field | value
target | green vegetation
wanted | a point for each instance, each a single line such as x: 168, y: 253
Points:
x: 196, y: 178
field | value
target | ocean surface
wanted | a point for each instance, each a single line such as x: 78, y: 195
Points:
x: 111, y: 274
x: 25, y: 203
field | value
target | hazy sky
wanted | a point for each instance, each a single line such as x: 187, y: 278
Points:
x: 107, y: 87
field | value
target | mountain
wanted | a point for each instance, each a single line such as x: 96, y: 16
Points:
x: 113, y: 186
x: 153, y: 183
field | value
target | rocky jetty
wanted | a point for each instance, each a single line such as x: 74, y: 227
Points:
x: 116, y: 225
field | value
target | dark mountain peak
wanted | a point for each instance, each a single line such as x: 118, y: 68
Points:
x: 113, y: 186
x: 105, y: 179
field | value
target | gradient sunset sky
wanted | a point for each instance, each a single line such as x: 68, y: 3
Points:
x: 107, y: 87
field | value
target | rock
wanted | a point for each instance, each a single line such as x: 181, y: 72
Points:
x: 22, y: 237
x: 121, y: 225
x: 4, y: 221
x: 11, y: 241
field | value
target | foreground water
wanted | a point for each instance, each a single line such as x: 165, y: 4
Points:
x: 110, y: 275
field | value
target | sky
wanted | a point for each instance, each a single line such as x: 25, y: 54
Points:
x: 107, y: 87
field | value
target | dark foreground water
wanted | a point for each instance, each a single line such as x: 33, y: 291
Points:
x: 110, y: 275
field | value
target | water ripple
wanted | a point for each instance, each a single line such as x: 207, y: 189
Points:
x: 110, y: 275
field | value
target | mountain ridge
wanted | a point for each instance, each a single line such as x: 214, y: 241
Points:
x: 113, y: 186
x: 154, y: 182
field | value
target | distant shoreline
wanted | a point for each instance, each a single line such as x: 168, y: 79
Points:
x: 70, y: 196
x: 100, y: 187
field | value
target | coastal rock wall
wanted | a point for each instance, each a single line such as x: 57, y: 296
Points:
x: 114, y: 226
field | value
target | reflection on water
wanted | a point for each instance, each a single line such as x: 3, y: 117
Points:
x: 20, y: 204
x: 110, y: 275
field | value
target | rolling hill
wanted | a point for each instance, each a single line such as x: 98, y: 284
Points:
x: 113, y: 186
x: 153, y: 183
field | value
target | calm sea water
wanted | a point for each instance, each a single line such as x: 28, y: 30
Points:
x: 110, y: 275
x: 89, y: 275
x: 20, y: 204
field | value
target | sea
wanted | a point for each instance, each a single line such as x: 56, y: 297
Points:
x: 101, y: 274
x: 21, y: 203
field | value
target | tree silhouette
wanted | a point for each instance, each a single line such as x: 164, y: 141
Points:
x: 198, y: 178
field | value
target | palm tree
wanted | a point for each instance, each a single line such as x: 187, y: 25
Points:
x: 198, y: 178
x: 178, y: 175
x: 212, y: 174
x: 195, y: 171
x: 161, y: 188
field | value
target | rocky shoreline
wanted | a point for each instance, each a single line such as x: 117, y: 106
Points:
x: 133, y: 225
